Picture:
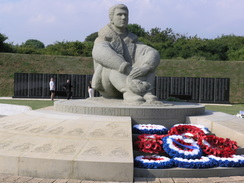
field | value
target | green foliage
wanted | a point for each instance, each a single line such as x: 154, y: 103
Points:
x: 69, y: 48
x: 235, y: 47
x: 2, y: 38
x: 27, y: 50
x: 173, y: 45
x: 5, y: 47
x: 236, y: 54
x: 31, y: 46
x: 157, y: 35
x: 33, y: 43
x: 92, y: 37
x: 173, y: 99
x: 170, y: 45
x: 137, y: 30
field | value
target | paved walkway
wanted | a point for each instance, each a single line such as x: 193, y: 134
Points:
x: 21, y: 179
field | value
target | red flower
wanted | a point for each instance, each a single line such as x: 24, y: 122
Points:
x: 150, y: 143
x: 221, y: 147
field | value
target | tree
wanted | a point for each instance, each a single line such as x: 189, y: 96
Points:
x: 31, y: 46
x: 91, y: 37
x: 2, y: 44
x: 154, y: 35
x: 33, y: 43
x: 5, y: 47
x: 76, y: 48
x: 137, y: 30
x: 235, y: 46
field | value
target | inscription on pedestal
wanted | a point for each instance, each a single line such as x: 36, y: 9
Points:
x: 44, y: 149
x: 98, y: 133
x: 119, y: 152
x: 76, y: 132
x: 69, y: 149
x: 56, y: 131
x: 23, y: 147
x: 93, y: 151
x: 175, y: 112
x: 132, y: 112
x: 5, y: 144
x: 22, y: 128
x: 38, y: 129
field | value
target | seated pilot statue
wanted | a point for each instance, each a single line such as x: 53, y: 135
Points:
x: 123, y: 66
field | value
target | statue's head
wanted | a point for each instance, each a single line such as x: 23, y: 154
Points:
x: 119, y: 15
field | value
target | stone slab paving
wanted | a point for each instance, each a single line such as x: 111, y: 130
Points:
x: 19, y: 179
x: 79, y: 146
x: 8, y: 109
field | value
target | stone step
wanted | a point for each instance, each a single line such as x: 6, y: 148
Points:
x: 188, y: 173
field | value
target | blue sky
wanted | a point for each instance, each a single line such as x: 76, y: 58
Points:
x: 70, y: 20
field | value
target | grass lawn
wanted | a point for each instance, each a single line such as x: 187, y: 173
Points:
x: 229, y: 109
x: 37, y: 104
x: 34, y: 104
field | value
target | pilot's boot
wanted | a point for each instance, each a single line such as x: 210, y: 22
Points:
x: 132, y: 98
x: 151, y: 99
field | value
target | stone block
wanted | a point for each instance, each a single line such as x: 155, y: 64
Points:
x: 222, y: 125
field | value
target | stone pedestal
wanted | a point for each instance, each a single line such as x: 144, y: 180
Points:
x: 167, y: 114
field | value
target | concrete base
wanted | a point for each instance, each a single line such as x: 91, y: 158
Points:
x: 88, y: 140
x: 168, y: 114
x: 49, y: 144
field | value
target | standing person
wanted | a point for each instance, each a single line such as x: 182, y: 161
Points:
x: 90, y: 90
x: 52, y: 88
x: 67, y: 86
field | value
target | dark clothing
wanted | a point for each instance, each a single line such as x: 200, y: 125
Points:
x: 69, y: 94
x: 67, y: 88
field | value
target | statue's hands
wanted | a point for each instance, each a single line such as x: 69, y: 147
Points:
x: 128, y: 69
x: 139, y: 71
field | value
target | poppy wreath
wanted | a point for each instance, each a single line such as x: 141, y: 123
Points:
x: 153, y: 162
x: 178, y: 146
x: 181, y: 129
x: 149, y: 129
x: 232, y: 161
x: 150, y: 143
x: 203, y: 162
x: 217, y: 146
x: 203, y: 128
